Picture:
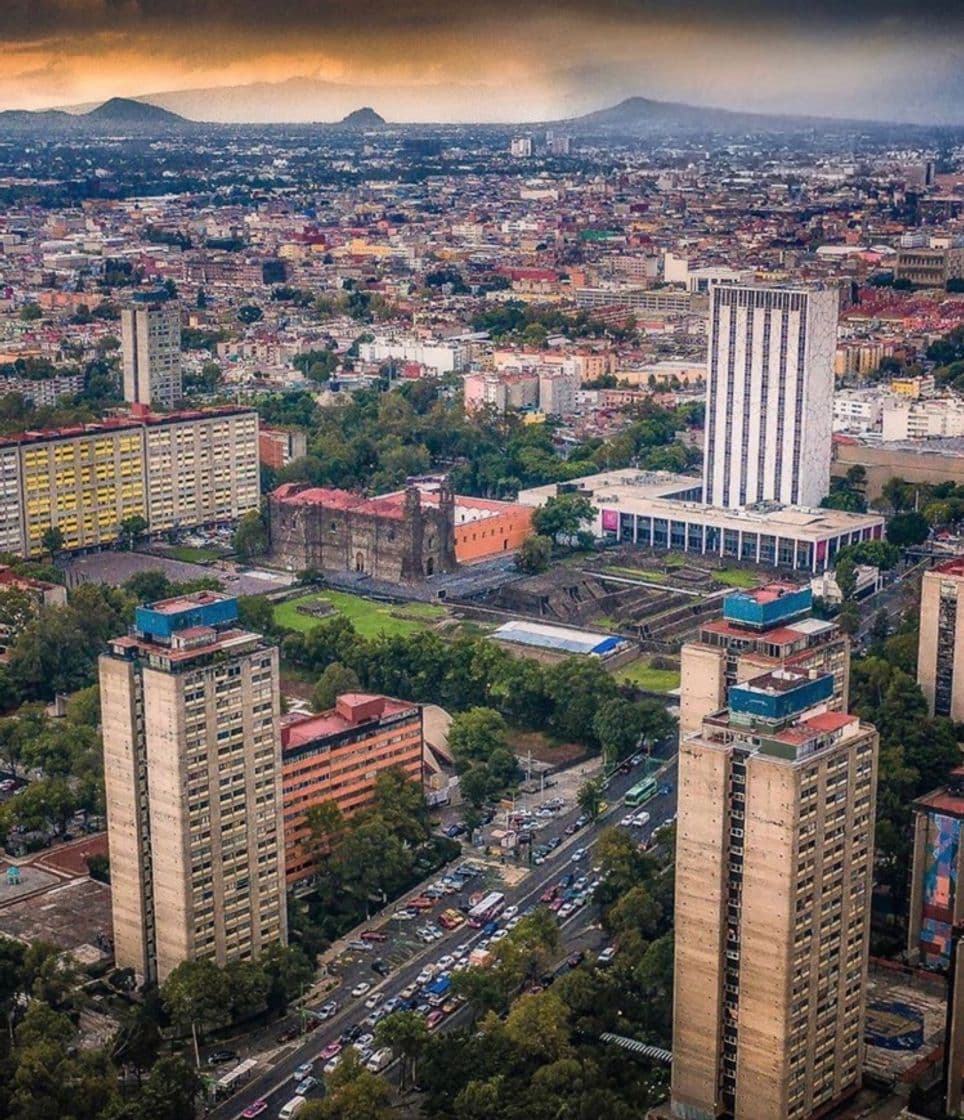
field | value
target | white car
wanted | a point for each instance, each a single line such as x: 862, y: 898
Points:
x: 426, y: 975
x: 360, y: 989
x: 499, y: 934
x: 445, y: 962
x: 640, y: 820
x: 510, y: 912
x: 374, y: 1000
x: 409, y: 990
x: 404, y: 915
x: 578, y: 854
x: 332, y: 1064
x: 364, y: 1040
x: 606, y: 955
x: 627, y: 821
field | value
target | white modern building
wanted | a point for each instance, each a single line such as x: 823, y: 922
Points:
x: 151, y: 349
x: 439, y: 355
x: 858, y: 410
x: 659, y: 510
x: 769, y: 399
x: 924, y: 419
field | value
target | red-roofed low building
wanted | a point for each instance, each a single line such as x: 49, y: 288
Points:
x: 337, y: 756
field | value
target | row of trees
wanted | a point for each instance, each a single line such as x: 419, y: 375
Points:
x: 377, y: 439
x: 575, y: 700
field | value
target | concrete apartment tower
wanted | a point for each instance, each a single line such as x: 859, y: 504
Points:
x: 766, y: 628
x: 769, y: 395
x: 151, y: 349
x: 940, y: 647
x: 192, y: 763
x: 774, y: 856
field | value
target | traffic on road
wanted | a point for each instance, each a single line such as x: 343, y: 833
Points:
x: 405, y: 960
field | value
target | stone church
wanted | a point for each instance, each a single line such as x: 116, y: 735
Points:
x: 400, y: 537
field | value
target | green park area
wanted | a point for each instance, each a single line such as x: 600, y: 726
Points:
x: 190, y: 555
x: 737, y: 577
x: 368, y: 617
x: 643, y: 675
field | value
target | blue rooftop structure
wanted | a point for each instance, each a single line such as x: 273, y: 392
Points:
x: 164, y: 618
x: 764, y: 608
x: 779, y: 696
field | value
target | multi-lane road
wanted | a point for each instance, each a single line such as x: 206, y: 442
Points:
x: 275, y: 1084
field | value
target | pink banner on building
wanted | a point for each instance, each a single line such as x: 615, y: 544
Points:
x: 610, y: 520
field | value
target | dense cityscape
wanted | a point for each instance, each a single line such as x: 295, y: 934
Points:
x: 481, y: 626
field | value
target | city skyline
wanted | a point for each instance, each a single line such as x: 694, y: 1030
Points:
x: 424, y: 62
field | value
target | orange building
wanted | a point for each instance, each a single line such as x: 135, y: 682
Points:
x: 484, y: 527
x: 337, y: 756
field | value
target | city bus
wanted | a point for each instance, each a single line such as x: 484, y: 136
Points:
x: 232, y: 1081
x: 485, y: 911
x: 640, y: 793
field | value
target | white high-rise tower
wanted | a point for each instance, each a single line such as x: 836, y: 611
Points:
x: 151, y: 348
x: 769, y: 395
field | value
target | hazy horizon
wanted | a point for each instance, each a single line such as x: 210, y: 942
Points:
x: 416, y: 60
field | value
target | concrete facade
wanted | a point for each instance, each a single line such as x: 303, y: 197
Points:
x: 773, y: 877
x: 192, y: 762
x: 151, y: 351
x: 396, y: 537
x: 940, y: 648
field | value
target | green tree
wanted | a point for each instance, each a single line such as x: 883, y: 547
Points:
x: 256, y: 613
x: 898, y: 494
x: 905, y: 529
x: 30, y: 313
x: 196, y: 996
x: 289, y: 973
x: 538, y: 1026
x: 251, y: 537
x: 563, y: 516
x: 845, y: 575
x: 590, y: 797
x: 335, y: 680
x: 475, y: 734
x: 534, y: 555
x: 171, y: 1092
x: 250, y: 313
x: 578, y: 687
x: 17, y: 609
x: 131, y: 530
x: 406, y: 1034
x: 476, y: 785
x: 52, y: 541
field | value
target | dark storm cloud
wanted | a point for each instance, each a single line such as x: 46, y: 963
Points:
x: 30, y: 20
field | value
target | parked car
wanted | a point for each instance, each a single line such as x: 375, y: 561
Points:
x: 606, y: 955
x: 217, y: 1057
x: 360, y: 988
x: 374, y: 935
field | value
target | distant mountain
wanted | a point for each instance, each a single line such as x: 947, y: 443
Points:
x: 119, y: 112
x: 362, y: 118
x: 637, y: 115
x: 123, y: 110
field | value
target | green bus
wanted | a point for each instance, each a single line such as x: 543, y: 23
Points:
x: 640, y: 793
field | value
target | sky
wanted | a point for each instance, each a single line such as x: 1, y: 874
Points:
x: 484, y: 60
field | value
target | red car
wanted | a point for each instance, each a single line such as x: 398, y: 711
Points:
x: 330, y: 1051
x: 550, y: 894
x: 434, y: 1018
x: 422, y: 903
x: 255, y: 1110
x: 373, y: 935
x: 556, y: 904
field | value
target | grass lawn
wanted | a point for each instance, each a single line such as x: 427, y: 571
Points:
x: 636, y: 573
x: 193, y: 555
x: 736, y: 577
x: 641, y: 673
x: 368, y: 618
